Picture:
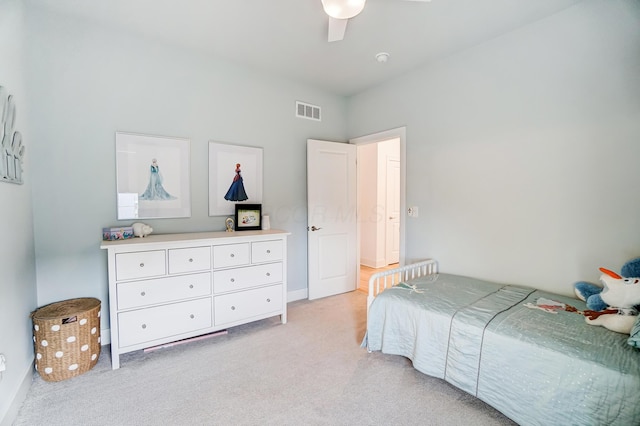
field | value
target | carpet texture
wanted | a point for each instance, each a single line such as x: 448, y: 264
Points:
x: 310, y: 371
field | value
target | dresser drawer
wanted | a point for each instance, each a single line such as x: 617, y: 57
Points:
x: 230, y: 255
x: 145, y: 325
x: 136, y: 294
x: 234, y: 307
x: 252, y: 276
x: 189, y: 260
x: 140, y: 264
x: 266, y: 251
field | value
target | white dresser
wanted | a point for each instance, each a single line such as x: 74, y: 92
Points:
x: 164, y: 288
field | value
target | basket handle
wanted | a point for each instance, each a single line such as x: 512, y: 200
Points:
x: 69, y: 320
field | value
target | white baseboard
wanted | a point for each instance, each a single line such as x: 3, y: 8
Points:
x: 292, y: 296
x: 18, y: 399
x: 373, y: 263
x: 105, y: 336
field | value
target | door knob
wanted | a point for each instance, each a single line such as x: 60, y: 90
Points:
x: 313, y: 228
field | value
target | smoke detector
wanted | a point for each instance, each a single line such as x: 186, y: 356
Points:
x: 382, y: 57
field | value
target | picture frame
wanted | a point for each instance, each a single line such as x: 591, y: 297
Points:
x: 224, y: 174
x: 152, y: 176
x: 248, y: 217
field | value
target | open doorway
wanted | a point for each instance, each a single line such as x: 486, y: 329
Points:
x: 381, y: 202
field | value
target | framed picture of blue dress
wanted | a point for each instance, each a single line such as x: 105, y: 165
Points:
x: 235, y: 176
x: 152, y: 175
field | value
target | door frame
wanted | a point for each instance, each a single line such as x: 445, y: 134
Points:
x: 396, y: 133
x: 389, y: 229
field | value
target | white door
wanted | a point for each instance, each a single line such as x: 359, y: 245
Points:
x: 331, y: 218
x: 392, y: 234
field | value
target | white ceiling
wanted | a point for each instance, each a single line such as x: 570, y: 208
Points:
x: 288, y: 37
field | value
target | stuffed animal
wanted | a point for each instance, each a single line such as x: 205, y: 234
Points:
x: 615, y: 305
x: 141, y: 229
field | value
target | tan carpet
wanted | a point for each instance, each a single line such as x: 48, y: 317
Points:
x: 310, y: 371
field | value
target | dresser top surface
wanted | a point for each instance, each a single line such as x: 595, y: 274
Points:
x: 219, y: 237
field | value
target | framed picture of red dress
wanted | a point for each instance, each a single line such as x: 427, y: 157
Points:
x: 235, y: 177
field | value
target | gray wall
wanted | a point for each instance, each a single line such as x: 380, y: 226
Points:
x: 17, y: 262
x: 87, y: 82
x: 80, y: 83
x: 522, y: 153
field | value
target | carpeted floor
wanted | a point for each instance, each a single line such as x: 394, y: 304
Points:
x: 310, y: 371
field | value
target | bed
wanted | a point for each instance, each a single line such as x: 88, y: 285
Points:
x: 504, y: 344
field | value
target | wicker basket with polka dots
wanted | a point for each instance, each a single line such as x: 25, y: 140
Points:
x: 66, y: 338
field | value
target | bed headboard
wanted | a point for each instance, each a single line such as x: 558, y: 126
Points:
x: 385, y: 279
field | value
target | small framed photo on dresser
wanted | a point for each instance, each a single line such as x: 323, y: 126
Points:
x: 248, y: 217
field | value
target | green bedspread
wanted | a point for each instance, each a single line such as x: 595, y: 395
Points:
x: 535, y: 366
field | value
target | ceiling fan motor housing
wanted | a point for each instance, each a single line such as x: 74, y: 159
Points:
x: 343, y: 9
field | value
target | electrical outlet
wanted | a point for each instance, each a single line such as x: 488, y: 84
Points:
x: 3, y: 363
x: 412, y: 211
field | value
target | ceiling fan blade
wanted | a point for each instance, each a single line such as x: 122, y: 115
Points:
x: 337, y: 28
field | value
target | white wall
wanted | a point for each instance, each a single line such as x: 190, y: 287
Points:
x: 17, y: 263
x: 522, y: 153
x: 372, y: 199
x: 368, y: 204
x: 87, y: 82
x: 388, y: 150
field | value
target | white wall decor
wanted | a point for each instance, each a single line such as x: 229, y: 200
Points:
x: 235, y: 176
x: 152, y: 176
x: 11, y: 148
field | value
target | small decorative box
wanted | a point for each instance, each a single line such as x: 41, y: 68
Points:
x: 122, y: 233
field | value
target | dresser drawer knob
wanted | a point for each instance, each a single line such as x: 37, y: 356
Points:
x: 268, y: 274
x: 144, y: 326
x: 233, y: 308
x: 233, y: 255
x: 192, y: 316
x: 191, y: 260
x: 268, y: 251
x: 268, y: 300
x: 143, y: 293
x: 142, y: 265
x: 233, y: 280
x: 190, y: 285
